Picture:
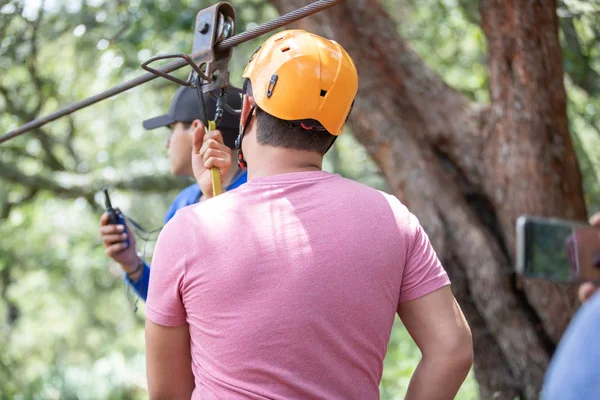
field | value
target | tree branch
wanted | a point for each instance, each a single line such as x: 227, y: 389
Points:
x: 47, y: 143
x: 69, y: 140
x: 7, y: 206
x: 19, y: 151
x: 12, y: 107
x: 88, y: 186
x: 13, y: 311
x: 32, y: 61
x: 40, y: 134
x: 124, y: 26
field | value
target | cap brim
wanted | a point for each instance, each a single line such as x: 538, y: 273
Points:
x: 158, y: 122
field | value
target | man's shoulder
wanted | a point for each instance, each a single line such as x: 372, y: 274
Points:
x: 357, y: 189
x: 214, y: 206
x: 352, y: 186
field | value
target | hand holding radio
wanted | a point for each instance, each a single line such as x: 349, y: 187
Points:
x: 117, y: 238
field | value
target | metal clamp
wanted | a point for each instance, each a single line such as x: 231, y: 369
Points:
x: 213, y: 25
x: 181, y: 82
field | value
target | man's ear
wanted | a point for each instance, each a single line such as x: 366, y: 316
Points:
x: 247, y: 104
x: 195, y: 124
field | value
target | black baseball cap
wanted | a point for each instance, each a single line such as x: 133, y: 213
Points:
x: 185, y: 107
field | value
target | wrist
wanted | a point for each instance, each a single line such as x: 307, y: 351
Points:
x: 135, y: 275
x: 133, y: 267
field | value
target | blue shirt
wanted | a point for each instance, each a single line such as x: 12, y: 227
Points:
x: 188, y: 196
x: 574, y: 372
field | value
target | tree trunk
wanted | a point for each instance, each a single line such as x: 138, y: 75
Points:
x: 468, y: 170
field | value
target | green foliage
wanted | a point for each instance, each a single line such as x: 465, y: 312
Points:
x: 67, y: 327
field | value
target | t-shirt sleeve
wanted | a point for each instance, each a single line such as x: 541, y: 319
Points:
x: 423, y: 271
x: 164, y: 305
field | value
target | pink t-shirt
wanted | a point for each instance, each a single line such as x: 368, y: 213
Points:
x: 290, y: 284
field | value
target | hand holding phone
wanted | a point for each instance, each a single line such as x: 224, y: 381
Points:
x: 558, y: 250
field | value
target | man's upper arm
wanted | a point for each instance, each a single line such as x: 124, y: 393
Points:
x: 164, y: 304
x: 168, y: 361
x: 168, y: 354
x: 423, y: 272
x: 436, y: 323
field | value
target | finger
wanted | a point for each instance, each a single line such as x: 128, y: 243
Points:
x: 216, y: 154
x: 115, y: 248
x: 217, y: 162
x: 595, y: 220
x: 199, y: 134
x: 586, y: 290
x: 215, y: 135
x: 112, y: 239
x: 213, y: 144
x: 104, y: 219
x: 128, y: 230
x: 111, y: 229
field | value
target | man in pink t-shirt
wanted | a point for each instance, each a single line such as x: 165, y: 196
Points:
x: 287, y: 287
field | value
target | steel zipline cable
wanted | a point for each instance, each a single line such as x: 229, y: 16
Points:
x: 225, y: 44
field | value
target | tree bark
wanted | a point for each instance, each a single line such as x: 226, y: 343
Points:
x: 468, y: 170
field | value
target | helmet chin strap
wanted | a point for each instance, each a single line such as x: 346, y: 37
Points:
x: 238, y: 142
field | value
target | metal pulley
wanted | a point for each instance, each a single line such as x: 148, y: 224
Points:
x: 225, y: 28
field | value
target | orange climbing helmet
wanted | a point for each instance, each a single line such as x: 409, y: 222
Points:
x: 297, y: 75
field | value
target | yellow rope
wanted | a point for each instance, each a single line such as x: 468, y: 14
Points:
x: 214, y: 171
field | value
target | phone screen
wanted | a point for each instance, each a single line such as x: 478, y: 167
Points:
x: 559, y: 250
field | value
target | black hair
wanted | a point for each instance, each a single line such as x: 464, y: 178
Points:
x: 306, y: 134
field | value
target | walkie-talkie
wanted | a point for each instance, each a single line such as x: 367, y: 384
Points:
x: 115, y: 216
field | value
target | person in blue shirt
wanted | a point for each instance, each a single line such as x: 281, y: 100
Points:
x: 573, y: 372
x: 187, y: 144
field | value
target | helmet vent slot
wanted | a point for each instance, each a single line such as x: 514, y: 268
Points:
x: 323, y: 93
x: 285, y: 49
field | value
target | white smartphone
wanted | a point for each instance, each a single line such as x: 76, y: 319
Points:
x: 557, y: 250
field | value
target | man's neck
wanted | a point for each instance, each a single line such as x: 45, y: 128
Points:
x: 277, y: 161
x: 231, y: 174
